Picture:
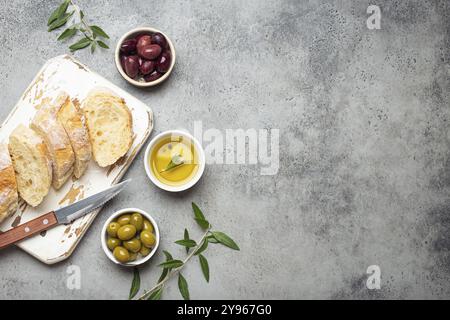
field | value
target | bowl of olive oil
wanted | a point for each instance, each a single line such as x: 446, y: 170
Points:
x: 174, y: 160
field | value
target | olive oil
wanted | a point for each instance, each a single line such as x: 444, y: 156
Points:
x: 174, y: 160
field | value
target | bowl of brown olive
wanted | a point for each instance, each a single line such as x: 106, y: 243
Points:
x: 130, y: 237
x: 145, y: 56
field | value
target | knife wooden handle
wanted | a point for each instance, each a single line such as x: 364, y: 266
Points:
x: 28, y: 229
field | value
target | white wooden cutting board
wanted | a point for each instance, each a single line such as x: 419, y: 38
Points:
x: 66, y: 73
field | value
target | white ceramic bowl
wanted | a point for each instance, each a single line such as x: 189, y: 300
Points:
x: 131, y: 34
x: 201, y: 161
x: 104, y: 237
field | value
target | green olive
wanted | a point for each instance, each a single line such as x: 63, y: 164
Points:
x: 148, y: 239
x: 148, y: 225
x: 113, y: 242
x: 145, y: 251
x: 133, y: 245
x: 126, y: 232
x: 112, y: 229
x: 137, y: 221
x: 124, y: 219
x: 121, y: 254
x: 133, y: 256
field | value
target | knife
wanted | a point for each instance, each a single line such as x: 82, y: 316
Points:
x: 61, y: 216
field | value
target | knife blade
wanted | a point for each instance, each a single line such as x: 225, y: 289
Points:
x: 60, y: 216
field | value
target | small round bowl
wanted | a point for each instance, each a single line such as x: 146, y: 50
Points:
x: 201, y: 160
x: 131, y: 34
x: 104, y: 237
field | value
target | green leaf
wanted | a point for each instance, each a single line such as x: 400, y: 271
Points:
x: 211, y: 239
x: 59, y: 22
x: 171, y: 264
x: 93, y: 46
x: 156, y: 294
x: 58, y: 12
x: 176, y: 161
x: 199, y: 217
x: 204, y: 224
x: 205, y: 267
x: 81, y: 14
x: 202, y: 247
x: 197, y: 212
x: 83, y: 43
x: 183, y: 286
x: 68, y: 33
x: 135, y: 284
x: 186, y: 243
x: 102, y: 44
x: 99, y: 31
x: 186, y: 237
x: 168, y: 255
x: 225, y: 240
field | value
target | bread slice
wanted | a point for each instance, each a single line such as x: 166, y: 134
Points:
x: 8, y: 185
x: 46, y: 124
x: 31, y: 164
x: 109, y: 124
x: 71, y: 118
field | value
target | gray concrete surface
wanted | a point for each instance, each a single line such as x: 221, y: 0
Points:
x: 364, y: 172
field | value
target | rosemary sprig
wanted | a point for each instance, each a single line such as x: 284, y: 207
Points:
x: 173, y: 266
x: 69, y: 13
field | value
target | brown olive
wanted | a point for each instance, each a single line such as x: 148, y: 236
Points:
x: 143, y: 40
x: 163, y: 62
x: 149, y: 52
x: 126, y: 232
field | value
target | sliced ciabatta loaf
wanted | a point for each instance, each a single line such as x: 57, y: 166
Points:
x: 31, y: 164
x: 71, y: 118
x: 46, y: 124
x: 8, y: 185
x: 109, y: 123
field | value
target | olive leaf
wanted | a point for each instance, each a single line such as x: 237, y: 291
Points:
x: 183, y: 286
x: 186, y: 243
x: 83, y: 43
x: 186, y: 237
x: 102, y: 44
x: 175, y: 161
x: 68, y: 33
x: 99, y: 32
x: 58, y: 12
x: 165, y: 270
x: 211, y: 239
x: 202, y: 247
x: 225, y: 240
x: 205, y: 266
x: 60, y: 17
x: 135, y: 284
x: 156, y: 294
x: 171, y: 264
x: 199, y: 217
x: 59, y: 22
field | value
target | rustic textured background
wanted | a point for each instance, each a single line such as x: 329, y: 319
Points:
x: 364, y: 145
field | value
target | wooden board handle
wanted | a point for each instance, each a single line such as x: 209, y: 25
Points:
x: 28, y: 229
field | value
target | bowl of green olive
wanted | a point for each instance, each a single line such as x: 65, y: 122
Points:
x: 130, y: 237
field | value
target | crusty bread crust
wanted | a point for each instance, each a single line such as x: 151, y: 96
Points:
x: 71, y: 118
x: 45, y: 123
x: 109, y: 123
x: 31, y: 164
x: 8, y: 185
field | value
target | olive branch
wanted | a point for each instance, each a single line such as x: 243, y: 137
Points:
x: 173, y: 266
x: 68, y: 12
